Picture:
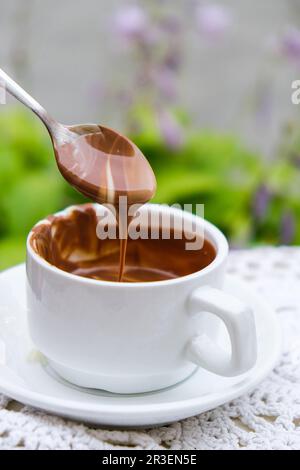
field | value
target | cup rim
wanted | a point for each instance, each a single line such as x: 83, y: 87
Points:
x: 214, y: 235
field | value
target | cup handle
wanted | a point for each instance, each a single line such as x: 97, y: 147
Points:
x: 240, y: 323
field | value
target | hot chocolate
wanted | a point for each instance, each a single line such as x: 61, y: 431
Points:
x: 70, y: 243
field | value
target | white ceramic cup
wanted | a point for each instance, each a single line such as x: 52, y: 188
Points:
x: 139, y: 337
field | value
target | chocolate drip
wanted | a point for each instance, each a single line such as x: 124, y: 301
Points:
x: 105, y: 166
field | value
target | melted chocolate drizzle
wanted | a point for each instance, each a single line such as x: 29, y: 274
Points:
x: 104, y: 166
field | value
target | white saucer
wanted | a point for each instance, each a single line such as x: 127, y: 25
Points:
x: 26, y: 377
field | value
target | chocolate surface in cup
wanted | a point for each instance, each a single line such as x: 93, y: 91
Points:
x: 69, y: 242
x: 104, y: 166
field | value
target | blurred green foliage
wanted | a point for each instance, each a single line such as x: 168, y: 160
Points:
x: 209, y: 168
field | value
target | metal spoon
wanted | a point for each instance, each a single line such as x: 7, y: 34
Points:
x: 59, y: 133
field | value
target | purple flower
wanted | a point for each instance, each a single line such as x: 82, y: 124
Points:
x: 172, y: 59
x: 171, y: 24
x: 261, y: 202
x: 166, y: 82
x: 213, y: 20
x: 288, y: 228
x: 290, y: 45
x: 170, y: 130
x: 131, y: 22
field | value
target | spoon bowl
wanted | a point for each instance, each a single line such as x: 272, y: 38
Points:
x: 104, y: 165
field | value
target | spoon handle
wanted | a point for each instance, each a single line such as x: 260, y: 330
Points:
x: 21, y: 95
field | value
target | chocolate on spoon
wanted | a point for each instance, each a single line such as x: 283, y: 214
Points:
x: 105, y: 165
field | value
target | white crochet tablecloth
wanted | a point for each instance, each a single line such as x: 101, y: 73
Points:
x: 268, y: 418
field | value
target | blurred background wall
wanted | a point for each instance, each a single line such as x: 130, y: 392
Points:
x: 65, y: 53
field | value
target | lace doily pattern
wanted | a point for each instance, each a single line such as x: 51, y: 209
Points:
x: 268, y: 418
